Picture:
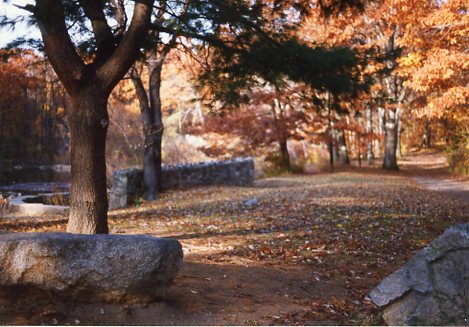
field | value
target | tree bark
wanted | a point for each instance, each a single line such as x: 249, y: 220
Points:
x: 88, y: 120
x: 369, y: 131
x: 427, y: 133
x: 398, y: 132
x: 152, y: 122
x: 343, y: 157
x: 381, y: 128
x: 154, y: 136
x: 282, y: 135
x: 390, y: 141
x: 330, y: 144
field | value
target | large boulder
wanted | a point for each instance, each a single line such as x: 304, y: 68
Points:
x: 89, y: 268
x: 433, y: 287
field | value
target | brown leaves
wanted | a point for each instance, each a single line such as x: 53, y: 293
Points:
x: 351, y: 229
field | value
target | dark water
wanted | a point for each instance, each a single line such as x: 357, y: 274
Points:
x: 33, y: 180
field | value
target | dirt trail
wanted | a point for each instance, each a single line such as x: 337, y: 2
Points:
x: 430, y: 170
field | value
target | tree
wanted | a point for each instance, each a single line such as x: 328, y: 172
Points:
x: 150, y: 98
x: 32, y: 103
x: 437, y: 71
x: 234, y: 28
x: 89, y: 79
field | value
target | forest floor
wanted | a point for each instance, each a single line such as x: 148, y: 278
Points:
x: 290, y: 250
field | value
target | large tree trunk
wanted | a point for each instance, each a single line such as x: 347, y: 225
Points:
x: 88, y: 120
x: 89, y: 85
x: 369, y: 131
x: 390, y: 141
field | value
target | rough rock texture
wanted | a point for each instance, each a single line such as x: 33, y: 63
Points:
x: 89, y: 268
x: 127, y: 184
x: 433, y: 287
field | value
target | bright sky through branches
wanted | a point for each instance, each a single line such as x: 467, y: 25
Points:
x: 10, y: 11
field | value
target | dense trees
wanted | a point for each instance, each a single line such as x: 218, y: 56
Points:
x: 356, y: 83
x: 32, y: 103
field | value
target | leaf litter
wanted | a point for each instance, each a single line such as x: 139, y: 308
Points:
x: 332, y: 237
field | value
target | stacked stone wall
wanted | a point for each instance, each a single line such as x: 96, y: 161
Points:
x: 127, y: 184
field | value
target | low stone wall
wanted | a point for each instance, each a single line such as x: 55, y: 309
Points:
x: 30, y: 205
x: 128, y: 185
x: 433, y: 287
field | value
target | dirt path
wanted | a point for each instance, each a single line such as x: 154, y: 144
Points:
x: 291, y: 250
x: 430, y: 170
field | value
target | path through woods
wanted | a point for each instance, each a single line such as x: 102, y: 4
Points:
x: 301, y: 249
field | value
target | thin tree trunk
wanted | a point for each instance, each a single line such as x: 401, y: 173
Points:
x: 369, y: 131
x: 381, y: 129
x: 427, y: 132
x: 398, y: 131
x: 282, y: 135
x: 88, y: 122
x: 343, y: 157
x: 390, y: 141
x: 330, y: 144
x: 154, y: 136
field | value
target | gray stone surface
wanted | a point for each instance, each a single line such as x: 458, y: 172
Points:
x: 21, y: 205
x: 90, y: 268
x: 433, y: 287
x: 127, y: 185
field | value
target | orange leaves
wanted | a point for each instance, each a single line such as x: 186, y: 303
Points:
x: 437, y: 63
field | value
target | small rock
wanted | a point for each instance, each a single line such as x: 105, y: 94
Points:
x: 251, y: 202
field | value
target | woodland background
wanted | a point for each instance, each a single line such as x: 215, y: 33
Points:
x: 417, y: 61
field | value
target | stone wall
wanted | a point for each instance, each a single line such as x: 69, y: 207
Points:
x: 433, y: 287
x: 127, y: 184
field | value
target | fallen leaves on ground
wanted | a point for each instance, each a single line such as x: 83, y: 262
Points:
x: 354, y: 227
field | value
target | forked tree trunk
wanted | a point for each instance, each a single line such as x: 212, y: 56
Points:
x: 88, y: 120
x: 152, y: 121
x: 390, y: 141
x: 89, y: 85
